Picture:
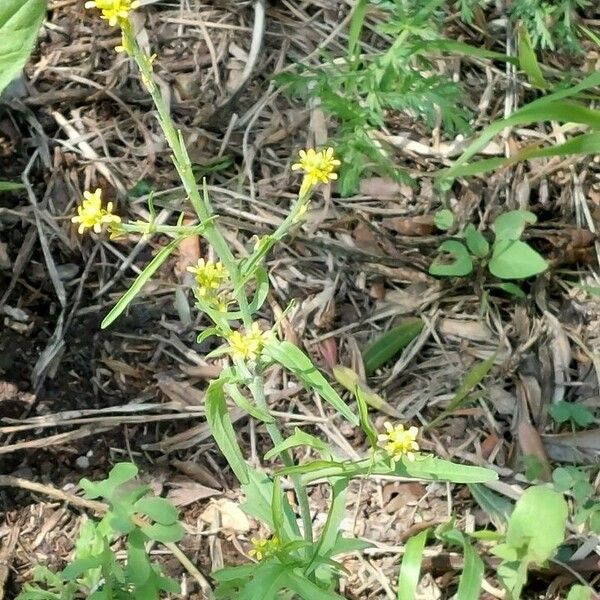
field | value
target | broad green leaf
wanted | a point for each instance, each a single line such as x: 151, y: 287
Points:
x: 538, y: 504
x: 78, y: 567
x: 259, y: 495
x: 158, y: 509
x: 164, y: 533
x: 138, y: 565
x: 471, y: 380
x: 292, y: 358
x: 461, y: 264
x: 528, y: 60
x: 219, y: 421
x: 511, y: 224
x: 410, y: 568
x: 386, y: 346
x: 476, y: 242
x: 121, y: 473
x: 268, y: 580
x: 20, y: 21
x: 515, y: 260
x: 140, y: 282
x: 443, y: 219
x: 299, y: 438
x: 580, y: 592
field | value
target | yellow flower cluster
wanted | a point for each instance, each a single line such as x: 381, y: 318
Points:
x: 399, y: 442
x: 248, y: 345
x: 91, y: 214
x: 209, y: 276
x: 114, y: 11
x: 318, y: 167
x: 262, y: 548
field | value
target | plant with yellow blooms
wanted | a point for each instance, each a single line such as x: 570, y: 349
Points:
x: 230, y: 291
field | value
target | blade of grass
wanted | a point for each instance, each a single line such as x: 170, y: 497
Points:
x: 411, y: 566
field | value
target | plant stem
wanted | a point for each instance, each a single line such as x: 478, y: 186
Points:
x: 258, y: 392
x: 215, y: 238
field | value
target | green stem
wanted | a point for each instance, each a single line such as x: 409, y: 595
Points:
x: 258, y: 392
x: 215, y: 238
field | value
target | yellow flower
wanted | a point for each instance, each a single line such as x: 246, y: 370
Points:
x: 249, y: 345
x: 91, y: 214
x: 318, y: 167
x: 209, y: 276
x: 262, y: 548
x: 114, y: 10
x: 399, y: 442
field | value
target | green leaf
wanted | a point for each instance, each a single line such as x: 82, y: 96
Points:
x: 386, y: 346
x: 443, y: 219
x: 363, y: 415
x: 476, y: 242
x: 121, y: 473
x: 277, y: 510
x: 20, y: 21
x: 461, y: 265
x: 259, y: 496
x: 538, y: 504
x: 580, y: 592
x: 158, y: 509
x: 337, y: 511
x: 222, y: 429
x: 299, y: 438
x: 515, y: 260
x: 510, y: 288
x: 411, y: 566
x: 511, y: 224
x: 473, y: 378
x: 138, y: 564
x: 528, y: 60
x: 471, y: 577
x: 164, y: 533
x: 292, y: 358
x: 140, y: 282
x: 356, y: 25
x: 497, y: 507
x: 306, y: 589
x: 9, y: 186
x: 254, y: 411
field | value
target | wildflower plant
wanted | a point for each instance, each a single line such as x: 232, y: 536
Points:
x: 231, y: 290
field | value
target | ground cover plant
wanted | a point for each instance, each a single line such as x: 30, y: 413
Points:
x: 341, y: 348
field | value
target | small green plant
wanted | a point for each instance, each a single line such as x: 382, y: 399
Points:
x: 578, y: 415
x: 575, y: 481
x: 508, y: 257
x: 133, y: 515
x: 296, y: 559
x: 20, y: 21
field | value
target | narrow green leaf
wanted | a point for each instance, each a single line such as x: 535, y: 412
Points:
x: 221, y: 427
x: 254, y: 411
x: 497, y: 507
x: 459, y: 267
x: 363, y: 415
x: 259, y: 496
x: 471, y: 380
x: 386, y: 346
x: 528, y: 60
x: 299, y: 438
x: 515, y: 260
x: 277, y: 510
x: 307, y: 590
x: 356, y: 26
x: 164, y: 533
x: 336, y: 513
x: 139, y: 283
x: 469, y: 585
x: 410, y: 568
x: 9, y: 186
x: 292, y: 358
